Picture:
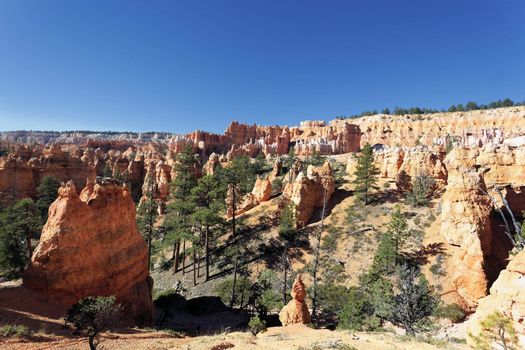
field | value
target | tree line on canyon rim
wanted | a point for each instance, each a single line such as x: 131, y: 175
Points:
x: 469, y: 106
x: 194, y: 228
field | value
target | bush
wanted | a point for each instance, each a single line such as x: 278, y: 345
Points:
x: 256, y: 325
x: 497, y: 333
x: 17, y: 331
x: 242, y: 291
x: 92, y: 315
x: 451, y: 311
x: 423, y: 188
x: 277, y: 186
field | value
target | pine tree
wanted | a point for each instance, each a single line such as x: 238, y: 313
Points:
x: 398, y: 229
x: 47, y: 193
x: 180, y: 208
x: 208, y: 197
x: 365, y: 174
x: 239, y: 179
x: 287, y: 231
x: 385, y: 258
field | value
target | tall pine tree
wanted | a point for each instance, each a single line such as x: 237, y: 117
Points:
x: 365, y: 174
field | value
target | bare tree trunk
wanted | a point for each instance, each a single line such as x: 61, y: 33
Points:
x: 176, y: 253
x: 194, y: 266
x: 514, y: 222
x: 29, y: 248
x: 207, y: 248
x: 183, y: 256
x: 232, y: 302
x: 508, y: 230
x: 316, y: 261
x: 285, y: 271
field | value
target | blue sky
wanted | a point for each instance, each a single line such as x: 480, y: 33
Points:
x: 184, y: 65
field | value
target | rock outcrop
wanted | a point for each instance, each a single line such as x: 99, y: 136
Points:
x: 465, y: 224
x: 468, y: 129
x: 90, y: 245
x: 296, y: 311
x: 507, y: 295
x: 412, y: 161
x: 308, y: 191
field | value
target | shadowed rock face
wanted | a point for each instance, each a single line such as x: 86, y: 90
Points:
x: 91, y: 246
x: 296, y: 311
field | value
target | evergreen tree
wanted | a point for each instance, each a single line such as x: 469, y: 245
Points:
x: 385, y: 258
x: 19, y: 224
x: 92, y: 315
x: 398, y: 229
x: 365, y: 174
x: 180, y: 207
x: 287, y: 231
x: 47, y: 193
x: 239, y: 179
x: 107, y: 172
x: 422, y: 190
x: 208, y: 197
x: 414, y: 300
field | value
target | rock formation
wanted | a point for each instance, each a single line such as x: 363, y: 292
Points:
x: 296, y: 311
x: 308, y: 191
x: 468, y: 129
x: 261, y: 192
x: 90, y: 245
x: 507, y: 295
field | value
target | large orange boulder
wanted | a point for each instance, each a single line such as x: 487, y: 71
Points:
x: 90, y: 245
x: 296, y: 311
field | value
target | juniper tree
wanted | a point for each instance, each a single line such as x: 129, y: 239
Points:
x: 365, y: 174
x: 414, y: 300
x: 92, y: 315
x: 422, y: 189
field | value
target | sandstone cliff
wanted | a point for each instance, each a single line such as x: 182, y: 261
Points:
x: 90, y: 245
x: 507, y: 295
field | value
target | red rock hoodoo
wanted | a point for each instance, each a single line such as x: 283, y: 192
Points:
x: 296, y: 311
x: 91, y: 246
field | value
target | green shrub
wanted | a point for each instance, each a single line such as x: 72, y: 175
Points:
x: 15, y: 331
x: 256, y: 325
x: 451, y: 311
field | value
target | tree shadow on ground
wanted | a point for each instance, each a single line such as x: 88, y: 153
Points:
x: 421, y: 256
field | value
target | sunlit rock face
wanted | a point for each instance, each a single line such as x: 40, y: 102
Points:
x: 507, y: 295
x: 90, y: 245
x: 308, y: 191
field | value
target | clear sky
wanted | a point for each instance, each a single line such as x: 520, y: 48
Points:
x: 184, y: 65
